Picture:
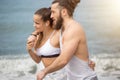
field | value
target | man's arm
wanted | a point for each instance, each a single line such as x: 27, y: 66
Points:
x: 69, y: 46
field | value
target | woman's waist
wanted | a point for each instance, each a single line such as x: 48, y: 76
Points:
x: 48, y: 61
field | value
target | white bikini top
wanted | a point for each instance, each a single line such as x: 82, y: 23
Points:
x: 47, y: 50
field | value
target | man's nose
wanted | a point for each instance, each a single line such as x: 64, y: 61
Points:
x: 51, y: 16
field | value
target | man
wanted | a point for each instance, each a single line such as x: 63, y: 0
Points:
x: 74, y: 53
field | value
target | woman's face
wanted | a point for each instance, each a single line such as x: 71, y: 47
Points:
x: 38, y: 23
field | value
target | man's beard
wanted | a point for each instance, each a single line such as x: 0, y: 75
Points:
x: 59, y: 23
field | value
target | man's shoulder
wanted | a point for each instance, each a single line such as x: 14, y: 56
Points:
x: 76, y: 28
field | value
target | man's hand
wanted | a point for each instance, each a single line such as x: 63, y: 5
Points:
x: 92, y: 64
x: 41, y: 75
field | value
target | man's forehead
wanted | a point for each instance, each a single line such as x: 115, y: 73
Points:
x: 54, y: 6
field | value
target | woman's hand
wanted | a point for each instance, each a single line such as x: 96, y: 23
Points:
x: 30, y: 42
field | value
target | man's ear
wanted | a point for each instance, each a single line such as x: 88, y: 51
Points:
x: 47, y: 23
x: 64, y: 12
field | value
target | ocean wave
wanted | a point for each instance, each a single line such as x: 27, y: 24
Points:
x: 107, y: 64
x: 16, y: 66
x: 23, y: 66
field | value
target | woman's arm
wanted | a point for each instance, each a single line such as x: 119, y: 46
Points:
x: 31, y: 42
x: 33, y: 55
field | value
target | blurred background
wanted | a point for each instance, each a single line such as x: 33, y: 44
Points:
x: 99, y: 18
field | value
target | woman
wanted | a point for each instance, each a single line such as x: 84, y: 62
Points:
x: 46, y: 44
x: 43, y: 43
